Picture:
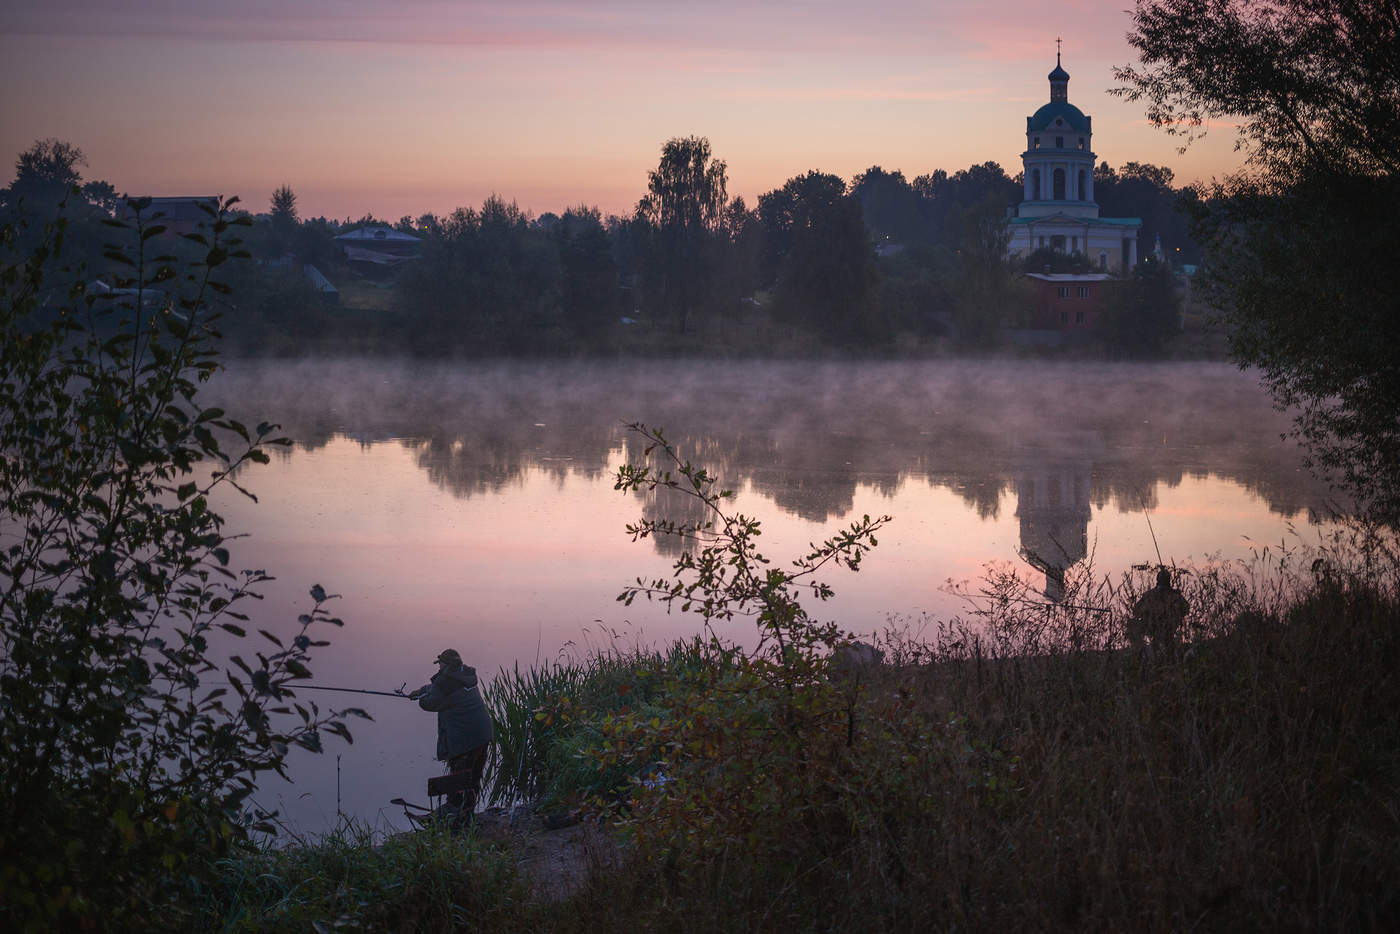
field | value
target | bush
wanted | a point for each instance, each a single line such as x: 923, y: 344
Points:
x: 126, y: 766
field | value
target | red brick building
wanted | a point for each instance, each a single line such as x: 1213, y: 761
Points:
x: 1068, y: 301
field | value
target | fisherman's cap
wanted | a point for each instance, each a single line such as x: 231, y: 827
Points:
x: 450, y: 657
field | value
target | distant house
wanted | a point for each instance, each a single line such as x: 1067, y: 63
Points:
x: 1068, y: 301
x: 381, y: 247
x: 183, y: 215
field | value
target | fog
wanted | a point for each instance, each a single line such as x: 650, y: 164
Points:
x: 804, y: 434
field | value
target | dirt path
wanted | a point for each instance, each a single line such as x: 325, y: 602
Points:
x: 556, y: 861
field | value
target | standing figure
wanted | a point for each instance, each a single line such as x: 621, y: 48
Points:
x: 1158, y: 615
x: 464, y: 729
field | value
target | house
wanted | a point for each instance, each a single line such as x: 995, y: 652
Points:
x: 1068, y: 301
x: 376, y: 248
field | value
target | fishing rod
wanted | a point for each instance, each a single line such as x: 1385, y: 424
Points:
x: 322, y: 687
x: 1143, y: 503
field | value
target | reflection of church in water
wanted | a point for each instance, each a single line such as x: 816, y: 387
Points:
x: 1052, y: 505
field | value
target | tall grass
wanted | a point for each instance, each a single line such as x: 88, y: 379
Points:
x: 546, y: 715
x: 354, y: 880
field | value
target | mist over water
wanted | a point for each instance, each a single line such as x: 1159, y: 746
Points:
x: 471, y: 504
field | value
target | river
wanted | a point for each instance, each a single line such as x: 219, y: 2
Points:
x: 471, y: 505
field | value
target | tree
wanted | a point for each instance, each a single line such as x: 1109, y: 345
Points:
x: 947, y: 198
x: 1145, y: 191
x: 828, y: 279
x: 986, y: 280
x: 284, y: 208
x: 892, y: 209
x: 588, y: 272
x: 487, y: 283
x: 683, y: 207
x: 50, y: 162
x: 1296, y: 239
x: 129, y: 754
x: 1145, y: 311
x: 785, y: 211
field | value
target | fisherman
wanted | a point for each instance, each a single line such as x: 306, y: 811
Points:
x: 1158, y: 615
x: 464, y: 728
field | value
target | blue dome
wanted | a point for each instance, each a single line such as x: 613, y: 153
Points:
x: 1059, y: 74
x: 1044, y: 118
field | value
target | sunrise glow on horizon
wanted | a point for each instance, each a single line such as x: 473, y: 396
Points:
x: 399, y: 109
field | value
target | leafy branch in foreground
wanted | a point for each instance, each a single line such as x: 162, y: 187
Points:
x: 724, y: 574
x: 128, y: 764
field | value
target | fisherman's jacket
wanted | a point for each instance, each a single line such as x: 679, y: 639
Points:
x: 463, y: 721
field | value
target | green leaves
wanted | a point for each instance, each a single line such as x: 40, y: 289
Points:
x: 117, y: 590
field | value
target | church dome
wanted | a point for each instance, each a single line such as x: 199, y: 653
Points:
x: 1059, y: 74
x: 1071, y: 116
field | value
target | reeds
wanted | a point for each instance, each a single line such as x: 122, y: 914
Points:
x: 545, y: 715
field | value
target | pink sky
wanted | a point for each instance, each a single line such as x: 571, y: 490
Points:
x: 424, y: 105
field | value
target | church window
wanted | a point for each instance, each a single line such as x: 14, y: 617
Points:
x: 1081, y: 142
x: 1042, y: 243
x: 1057, y: 243
x: 1074, y: 244
x: 1103, y: 260
x: 1059, y: 185
x: 1037, y: 142
x: 1063, y: 291
x: 1083, y: 293
x: 1036, y: 187
x: 1083, y: 188
x: 1059, y: 142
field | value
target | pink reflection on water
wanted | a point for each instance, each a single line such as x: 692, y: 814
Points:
x: 532, y: 570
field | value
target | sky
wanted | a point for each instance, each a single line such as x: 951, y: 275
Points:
x: 397, y: 107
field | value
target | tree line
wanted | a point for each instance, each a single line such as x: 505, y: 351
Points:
x: 815, y: 265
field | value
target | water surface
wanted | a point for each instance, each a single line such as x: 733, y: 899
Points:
x: 471, y: 505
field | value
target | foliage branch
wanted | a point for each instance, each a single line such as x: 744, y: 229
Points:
x: 1295, y: 240
x: 729, y: 749
x: 130, y: 756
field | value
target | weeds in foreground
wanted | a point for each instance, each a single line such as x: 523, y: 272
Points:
x: 353, y: 880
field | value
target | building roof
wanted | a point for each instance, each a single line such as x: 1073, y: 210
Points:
x: 378, y: 235
x: 1063, y: 277
x: 1059, y: 74
x: 1045, y: 117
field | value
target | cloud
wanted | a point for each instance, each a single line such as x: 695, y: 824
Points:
x: 952, y: 29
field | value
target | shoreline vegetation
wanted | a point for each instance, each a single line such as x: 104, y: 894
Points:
x: 1021, y: 768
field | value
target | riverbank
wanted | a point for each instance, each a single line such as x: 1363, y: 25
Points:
x: 1025, y: 772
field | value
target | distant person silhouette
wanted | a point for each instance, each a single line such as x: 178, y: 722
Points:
x: 1158, y: 616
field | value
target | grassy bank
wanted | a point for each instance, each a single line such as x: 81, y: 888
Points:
x: 1023, y: 770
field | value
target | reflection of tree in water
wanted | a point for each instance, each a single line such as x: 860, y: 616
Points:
x: 806, y: 434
